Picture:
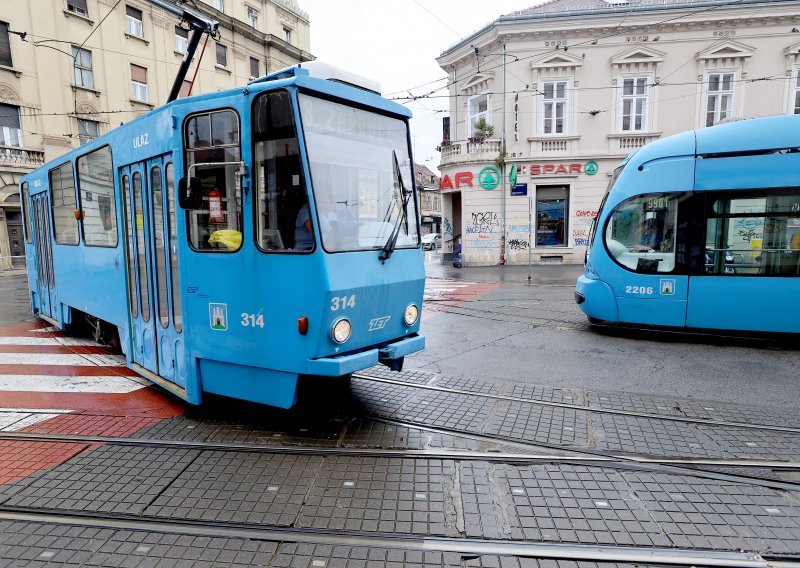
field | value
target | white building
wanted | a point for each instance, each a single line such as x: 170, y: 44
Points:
x: 585, y: 82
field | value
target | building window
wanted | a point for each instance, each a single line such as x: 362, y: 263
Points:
x: 222, y: 55
x: 478, y: 109
x: 139, y: 83
x: 551, y: 216
x: 719, y: 104
x: 255, y: 67
x: 134, y: 17
x: 287, y: 35
x: 96, y: 186
x: 77, y: 7
x: 82, y: 63
x: 219, y: 5
x: 796, y: 91
x: 554, y: 107
x: 10, y: 133
x: 634, y: 104
x: 181, y: 40
x: 62, y: 189
x: 5, y: 45
x: 252, y: 17
x: 88, y: 130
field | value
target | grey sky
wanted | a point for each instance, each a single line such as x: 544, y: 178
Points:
x: 396, y: 43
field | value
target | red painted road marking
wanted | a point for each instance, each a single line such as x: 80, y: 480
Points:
x: 452, y: 293
x: 19, y: 459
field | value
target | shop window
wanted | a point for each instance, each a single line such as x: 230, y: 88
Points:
x: 634, y: 104
x: 284, y: 220
x: 213, y: 155
x: 62, y: 188
x: 96, y: 184
x: 5, y: 45
x: 640, y: 232
x: 757, y: 233
x: 554, y: 107
x: 719, y: 99
x: 551, y: 215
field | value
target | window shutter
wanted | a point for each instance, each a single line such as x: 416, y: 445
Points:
x: 138, y: 74
x: 9, y: 116
x: 5, y: 45
x: 255, y: 70
x: 77, y: 4
x: 133, y: 12
x: 181, y: 32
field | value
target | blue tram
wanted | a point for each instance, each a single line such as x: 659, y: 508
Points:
x: 237, y: 241
x: 702, y: 230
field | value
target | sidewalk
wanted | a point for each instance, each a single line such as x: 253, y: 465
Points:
x: 550, y: 274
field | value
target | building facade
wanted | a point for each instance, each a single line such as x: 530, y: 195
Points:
x: 430, y: 199
x: 66, y: 78
x: 545, y: 102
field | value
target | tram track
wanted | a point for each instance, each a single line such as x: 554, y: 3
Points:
x: 593, y: 409
x: 467, y: 547
x: 694, y: 467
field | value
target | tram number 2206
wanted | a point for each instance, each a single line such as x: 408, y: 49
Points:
x: 647, y: 290
x: 343, y: 302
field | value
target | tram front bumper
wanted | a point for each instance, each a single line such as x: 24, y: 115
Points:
x: 341, y: 365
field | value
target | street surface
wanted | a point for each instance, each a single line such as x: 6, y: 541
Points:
x: 522, y: 436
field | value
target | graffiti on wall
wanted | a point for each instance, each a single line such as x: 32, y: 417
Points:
x: 448, y: 228
x: 581, y: 222
x: 518, y: 244
x: 485, y: 218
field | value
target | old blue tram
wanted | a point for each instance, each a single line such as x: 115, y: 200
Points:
x: 237, y: 241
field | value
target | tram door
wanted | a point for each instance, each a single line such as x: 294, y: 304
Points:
x: 40, y: 212
x: 148, y: 192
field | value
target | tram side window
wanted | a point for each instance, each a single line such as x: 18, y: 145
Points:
x: 640, y: 234
x: 96, y: 183
x: 62, y: 187
x: 213, y: 148
x: 757, y: 233
x: 284, y: 223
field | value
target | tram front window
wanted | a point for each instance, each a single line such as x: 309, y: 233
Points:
x: 640, y: 234
x: 354, y: 156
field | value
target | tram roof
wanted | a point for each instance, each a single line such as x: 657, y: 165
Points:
x: 768, y: 133
x: 280, y: 79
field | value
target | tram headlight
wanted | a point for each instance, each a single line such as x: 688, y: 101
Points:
x: 341, y: 329
x: 411, y: 314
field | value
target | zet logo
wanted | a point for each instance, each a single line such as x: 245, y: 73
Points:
x: 378, y: 323
x: 489, y: 177
x: 591, y: 168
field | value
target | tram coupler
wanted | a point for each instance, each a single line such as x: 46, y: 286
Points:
x: 393, y: 364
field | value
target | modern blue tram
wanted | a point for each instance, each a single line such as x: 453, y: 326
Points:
x: 702, y: 230
x: 238, y: 241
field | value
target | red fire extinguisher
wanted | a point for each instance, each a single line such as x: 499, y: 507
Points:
x: 215, y: 206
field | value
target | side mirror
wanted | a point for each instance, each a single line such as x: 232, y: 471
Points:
x: 190, y: 193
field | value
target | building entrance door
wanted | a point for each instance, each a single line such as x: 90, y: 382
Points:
x: 16, y: 239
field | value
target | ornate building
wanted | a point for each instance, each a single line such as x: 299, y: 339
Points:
x: 568, y: 88
x: 430, y: 199
x: 70, y: 70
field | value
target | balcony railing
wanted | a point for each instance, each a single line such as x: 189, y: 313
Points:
x: 21, y: 156
x: 464, y: 151
x: 626, y: 142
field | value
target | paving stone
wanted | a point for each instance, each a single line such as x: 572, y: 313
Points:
x: 749, y: 443
x: 379, y: 494
x: 115, y: 479
x: 379, y: 399
x: 241, y: 434
x: 538, y: 424
x: 239, y: 487
x: 547, y: 394
x: 459, y: 412
x: 469, y: 385
x: 180, y: 428
x: 413, y: 376
x: 326, y: 556
x: 653, y: 437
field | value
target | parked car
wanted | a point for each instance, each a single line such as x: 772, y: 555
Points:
x: 432, y: 241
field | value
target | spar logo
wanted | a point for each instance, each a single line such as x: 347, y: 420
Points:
x: 376, y: 324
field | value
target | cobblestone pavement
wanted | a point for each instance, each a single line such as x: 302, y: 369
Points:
x: 245, y: 466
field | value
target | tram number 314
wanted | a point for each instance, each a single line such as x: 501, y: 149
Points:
x: 252, y: 320
x: 343, y: 302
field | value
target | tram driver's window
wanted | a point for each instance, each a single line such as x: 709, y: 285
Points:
x: 640, y: 234
x: 213, y: 155
x: 284, y: 223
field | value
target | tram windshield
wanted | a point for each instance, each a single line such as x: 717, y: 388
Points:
x: 354, y: 156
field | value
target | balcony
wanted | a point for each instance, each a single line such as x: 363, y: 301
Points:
x: 627, y: 142
x: 464, y: 152
x: 21, y: 157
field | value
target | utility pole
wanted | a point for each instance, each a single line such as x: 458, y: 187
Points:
x: 503, y: 166
x: 199, y: 24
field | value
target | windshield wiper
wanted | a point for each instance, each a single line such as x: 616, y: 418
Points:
x: 391, y: 243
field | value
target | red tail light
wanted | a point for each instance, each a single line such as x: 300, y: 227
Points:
x: 302, y: 325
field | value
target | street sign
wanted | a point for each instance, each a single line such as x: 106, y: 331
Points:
x: 519, y: 189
